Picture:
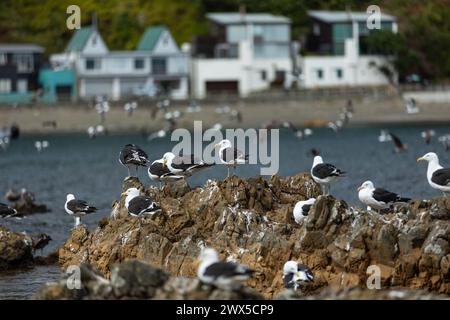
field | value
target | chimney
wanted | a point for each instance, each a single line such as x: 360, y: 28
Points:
x: 94, y: 20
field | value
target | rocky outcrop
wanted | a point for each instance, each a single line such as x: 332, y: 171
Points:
x: 135, y: 279
x: 250, y: 221
x: 26, y: 208
x: 16, y: 251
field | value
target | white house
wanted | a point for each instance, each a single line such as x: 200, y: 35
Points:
x: 337, y: 55
x: 244, y: 53
x: 157, y: 61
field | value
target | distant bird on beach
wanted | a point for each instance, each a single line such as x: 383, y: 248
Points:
x: 40, y: 241
x: 438, y: 177
x: 94, y: 131
x: 138, y: 205
x: 77, y: 208
x: 27, y: 196
x: 378, y: 198
x: 325, y: 174
x: 229, y: 155
x: 7, y: 211
x: 411, y: 106
x: 296, y: 274
x: 427, y: 135
x: 130, y: 107
x: 12, y: 195
x: 301, y: 209
x: 220, y: 273
x: 183, y: 165
x: 131, y: 156
x: 399, y: 145
x: 384, y: 136
x: 160, y: 172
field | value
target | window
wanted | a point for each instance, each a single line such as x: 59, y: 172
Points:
x: 159, y: 66
x: 139, y: 63
x: 22, y: 85
x: 316, y: 29
x: 339, y: 73
x: 92, y: 64
x: 3, y: 59
x: 264, y: 75
x: 24, y: 62
x: 5, y: 85
x: 319, y: 74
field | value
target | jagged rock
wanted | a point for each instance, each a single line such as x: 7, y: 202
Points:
x: 250, y: 221
x: 135, y: 279
x: 26, y: 208
x: 15, y: 250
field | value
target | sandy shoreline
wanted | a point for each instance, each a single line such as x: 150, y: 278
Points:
x: 386, y: 111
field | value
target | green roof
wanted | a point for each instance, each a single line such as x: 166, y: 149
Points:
x: 79, y: 39
x: 150, y: 38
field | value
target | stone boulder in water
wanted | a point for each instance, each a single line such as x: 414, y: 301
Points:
x: 15, y: 250
x: 250, y: 220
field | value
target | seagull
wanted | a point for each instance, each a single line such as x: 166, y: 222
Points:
x: 7, y: 211
x: 427, y: 135
x: 129, y: 108
x: 160, y: 172
x: 12, y: 195
x: 301, y: 209
x: 138, y: 205
x: 325, y: 174
x: 183, y: 165
x: 411, y: 106
x: 27, y: 196
x: 384, y: 136
x: 445, y: 141
x: 220, y: 273
x: 229, y: 155
x: 77, y: 208
x: 438, y: 177
x: 378, y: 198
x: 399, y: 145
x: 132, y: 155
x: 41, y: 145
x: 296, y: 274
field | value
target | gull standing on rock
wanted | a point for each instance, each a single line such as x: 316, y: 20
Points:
x: 132, y: 155
x: 77, y: 208
x: 296, y: 274
x: 325, y: 174
x: 378, y: 198
x: 301, y: 209
x: 183, y: 165
x: 160, y: 172
x: 219, y: 273
x: 438, y: 177
x: 229, y: 155
x: 138, y: 205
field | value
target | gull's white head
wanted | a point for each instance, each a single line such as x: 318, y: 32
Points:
x: 430, y: 157
x: 131, y: 192
x: 366, y: 185
x: 70, y: 197
x: 223, y: 144
x: 208, y: 255
x: 168, y: 157
x: 290, y: 267
x: 317, y: 160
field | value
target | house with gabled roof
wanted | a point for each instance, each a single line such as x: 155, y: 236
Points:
x: 157, y: 63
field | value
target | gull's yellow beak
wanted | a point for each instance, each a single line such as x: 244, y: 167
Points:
x: 123, y: 193
x: 360, y: 188
x: 420, y: 159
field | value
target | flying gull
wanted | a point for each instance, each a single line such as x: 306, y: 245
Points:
x: 220, y: 273
x: 301, y: 209
x: 427, y: 135
x: 325, y: 174
x: 7, y: 211
x: 132, y: 155
x: 438, y: 176
x: 399, y: 145
x: 77, y: 208
x: 229, y: 155
x: 296, y: 274
x: 138, y: 205
x: 160, y: 172
x: 183, y: 165
x: 378, y: 198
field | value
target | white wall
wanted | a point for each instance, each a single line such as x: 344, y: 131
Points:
x: 165, y: 45
x: 95, y: 44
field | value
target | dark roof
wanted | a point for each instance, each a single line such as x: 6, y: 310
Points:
x: 20, y: 47
x: 238, y: 18
x: 150, y: 38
